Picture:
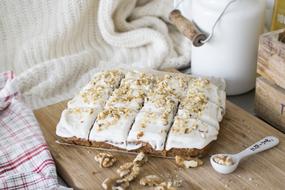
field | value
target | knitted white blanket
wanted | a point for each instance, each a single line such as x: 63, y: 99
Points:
x: 55, y: 46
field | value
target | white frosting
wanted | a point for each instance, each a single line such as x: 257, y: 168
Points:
x: 211, y: 114
x: 158, y: 103
x: 110, y: 79
x: 137, y: 81
x: 175, y: 84
x: 86, y: 98
x: 153, y: 128
x: 191, y: 134
x: 76, y: 122
x: 113, y: 129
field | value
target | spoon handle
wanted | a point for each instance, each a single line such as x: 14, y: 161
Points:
x: 263, y: 144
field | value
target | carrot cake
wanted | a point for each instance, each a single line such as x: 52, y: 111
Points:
x: 165, y: 114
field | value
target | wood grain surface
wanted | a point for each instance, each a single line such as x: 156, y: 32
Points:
x: 270, y: 102
x: 239, y: 129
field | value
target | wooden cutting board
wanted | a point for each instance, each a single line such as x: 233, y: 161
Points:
x: 239, y: 129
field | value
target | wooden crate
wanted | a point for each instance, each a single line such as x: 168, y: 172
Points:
x: 270, y: 87
x: 270, y: 103
x: 271, y: 57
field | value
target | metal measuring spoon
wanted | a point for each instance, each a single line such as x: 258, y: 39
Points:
x: 234, y: 159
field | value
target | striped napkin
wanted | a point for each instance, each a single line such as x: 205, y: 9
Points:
x: 25, y: 161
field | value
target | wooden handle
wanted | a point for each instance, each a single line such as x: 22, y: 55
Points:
x: 187, y: 28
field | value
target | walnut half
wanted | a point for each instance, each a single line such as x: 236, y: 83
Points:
x: 192, y: 163
x: 105, y: 160
x: 140, y: 159
x: 128, y: 171
x: 151, y: 180
x: 165, y: 186
x: 115, y: 183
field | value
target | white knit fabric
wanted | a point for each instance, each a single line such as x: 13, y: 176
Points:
x: 55, y: 46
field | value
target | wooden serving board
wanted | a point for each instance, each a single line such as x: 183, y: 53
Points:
x: 239, y: 129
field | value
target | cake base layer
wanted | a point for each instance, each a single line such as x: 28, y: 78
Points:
x: 189, y: 152
x: 146, y: 148
x: 73, y: 140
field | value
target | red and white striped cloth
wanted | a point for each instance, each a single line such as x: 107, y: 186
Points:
x: 25, y: 161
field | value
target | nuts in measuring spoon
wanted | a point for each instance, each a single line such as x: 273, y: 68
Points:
x: 223, y: 159
x: 151, y: 180
x: 192, y: 163
x: 105, y: 160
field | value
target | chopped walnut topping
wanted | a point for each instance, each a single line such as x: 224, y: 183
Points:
x: 113, y: 112
x: 110, y: 78
x: 105, y: 160
x: 113, y: 115
x: 181, y: 126
x: 81, y: 110
x: 223, y: 159
x: 162, y: 101
x: 126, y: 94
x: 140, y: 134
x: 194, y: 102
x: 93, y: 94
x: 151, y: 180
x: 199, y: 82
x: 192, y: 163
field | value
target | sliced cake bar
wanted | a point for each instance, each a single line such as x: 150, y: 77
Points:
x: 75, y: 124
x: 152, y: 124
x: 111, y: 127
x: 188, y: 136
x: 77, y: 120
x: 97, y: 91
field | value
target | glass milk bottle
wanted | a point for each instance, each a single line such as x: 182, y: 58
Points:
x: 231, y: 53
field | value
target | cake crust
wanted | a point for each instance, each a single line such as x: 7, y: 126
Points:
x: 146, y: 148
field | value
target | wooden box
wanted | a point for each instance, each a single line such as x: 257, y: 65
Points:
x: 270, y: 87
x: 270, y: 103
x: 271, y: 57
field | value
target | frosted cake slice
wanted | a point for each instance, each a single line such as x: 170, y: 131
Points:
x: 97, y: 91
x: 197, y: 105
x: 152, y: 124
x: 111, y: 127
x: 189, y: 136
x: 75, y: 124
x: 139, y: 81
x: 215, y: 93
x: 150, y: 129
